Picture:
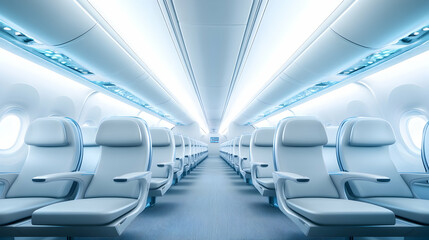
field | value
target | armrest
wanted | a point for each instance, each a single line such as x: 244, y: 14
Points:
x: 135, y: 176
x: 288, y: 176
x: 254, y: 167
x: 411, y: 178
x: 259, y: 164
x: 181, y: 163
x: 166, y: 164
x: 82, y: 178
x: 340, y: 179
x: 7, y: 179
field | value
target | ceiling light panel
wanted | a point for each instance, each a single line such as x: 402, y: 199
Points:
x: 278, y: 37
x: 141, y: 25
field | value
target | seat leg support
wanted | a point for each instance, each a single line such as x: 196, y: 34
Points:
x: 273, y: 201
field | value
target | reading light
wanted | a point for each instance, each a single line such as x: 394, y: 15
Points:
x: 7, y: 28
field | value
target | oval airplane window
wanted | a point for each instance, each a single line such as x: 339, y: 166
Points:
x: 10, y: 128
x: 414, y: 126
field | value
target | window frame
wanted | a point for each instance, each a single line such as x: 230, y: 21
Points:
x: 19, y: 142
x: 405, y: 129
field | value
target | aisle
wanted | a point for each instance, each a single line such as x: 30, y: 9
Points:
x: 213, y: 202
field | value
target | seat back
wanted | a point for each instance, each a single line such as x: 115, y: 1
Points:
x: 298, y: 149
x: 261, y: 150
x: 55, y: 146
x: 187, y: 150
x: 235, y: 148
x: 425, y: 147
x: 180, y: 149
x: 329, y: 150
x: 125, y: 148
x: 91, y: 150
x: 363, y: 146
x: 163, y: 147
x: 243, y: 149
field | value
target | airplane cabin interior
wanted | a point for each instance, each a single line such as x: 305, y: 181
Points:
x: 214, y: 119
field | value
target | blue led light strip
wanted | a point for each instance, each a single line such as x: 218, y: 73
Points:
x: 31, y: 45
x: 405, y: 44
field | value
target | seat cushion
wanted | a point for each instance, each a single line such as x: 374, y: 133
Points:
x: 266, y: 182
x: 333, y: 211
x: 413, y: 209
x: 157, y: 182
x: 247, y: 170
x: 89, y: 211
x: 14, y: 209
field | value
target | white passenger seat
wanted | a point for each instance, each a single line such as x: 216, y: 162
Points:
x: 163, y: 147
x: 55, y: 145
x: 243, y: 154
x: 261, y: 161
x: 116, y: 191
x: 180, y: 157
x: 304, y: 188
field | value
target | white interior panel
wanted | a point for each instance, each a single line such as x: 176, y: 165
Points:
x: 103, y: 56
x: 50, y: 22
x: 375, y: 24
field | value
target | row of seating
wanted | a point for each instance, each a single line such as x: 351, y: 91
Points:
x: 364, y: 196
x: 91, y: 181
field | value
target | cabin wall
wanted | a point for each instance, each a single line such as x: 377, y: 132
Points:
x: 394, y: 94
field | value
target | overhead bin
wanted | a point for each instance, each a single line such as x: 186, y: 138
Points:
x: 102, y: 55
x: 281, y: 89
x: 364, y: 27
x: 148, y: 90
x: 50, y: 22
x: 326, y: 56
x: 375, y: 24
x: 171, y: 108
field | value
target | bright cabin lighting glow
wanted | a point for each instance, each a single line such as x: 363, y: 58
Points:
x: 261, y: 124
x: 150, y: 119
x: 10, y: 127
x: 166, y: 124
x: 283, y: 39
x: 141, y: 25
x: 415, y: 125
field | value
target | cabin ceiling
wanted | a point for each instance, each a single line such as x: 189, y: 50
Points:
x: 220, y: 61
x: 199, y: 48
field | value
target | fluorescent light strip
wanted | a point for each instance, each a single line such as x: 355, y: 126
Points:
x: 33, y: 46
x: 284, y: 38
x: 414, y: 39
x: 142, y: 27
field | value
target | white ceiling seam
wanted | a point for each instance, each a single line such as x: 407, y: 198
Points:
x: 346, y: 26
x: 183, y: 28
x: 255, y: 18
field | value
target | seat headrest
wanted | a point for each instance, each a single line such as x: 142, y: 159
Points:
x: 264, y: 137
x: 178, y: 140
x: 245, y: 140
x: 303, y: 132
x: 88, y: 135
x: 371, y: 132
x: 47, y: 132
x: 120, y: 132
x: 331, y: 132
x: 160, y: 137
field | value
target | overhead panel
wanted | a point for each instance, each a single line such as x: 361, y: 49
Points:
x: 349, y: 45
x: 213, y: 33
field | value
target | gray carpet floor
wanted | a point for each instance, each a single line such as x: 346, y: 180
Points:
x: 213, y: 202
